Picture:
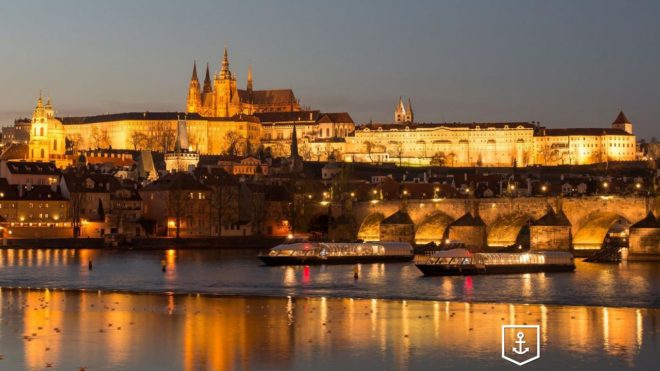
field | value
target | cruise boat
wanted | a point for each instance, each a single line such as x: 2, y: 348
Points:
x: 337, y: 253
x: 464, y: 262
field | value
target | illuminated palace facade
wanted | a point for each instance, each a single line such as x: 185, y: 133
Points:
x: 487, y: 144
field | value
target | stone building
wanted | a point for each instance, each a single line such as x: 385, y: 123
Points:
x: 470, y: 230
x: 178, y: 206
x: 551, y: 232
x: 398, y: 227
x: 33, y: 211
x: 644, y: 238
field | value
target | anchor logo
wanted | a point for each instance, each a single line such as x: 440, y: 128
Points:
x: 520, y: 335
x: 521, y: 344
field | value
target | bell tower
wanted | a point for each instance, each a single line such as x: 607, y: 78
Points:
x: 38, y: 145
x: 622, y: 123
x: 227, y: 101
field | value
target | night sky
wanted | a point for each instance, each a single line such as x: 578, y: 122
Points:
x: 563, y: 63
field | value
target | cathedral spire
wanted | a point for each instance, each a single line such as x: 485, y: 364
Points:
x: 207, y: 81
x: 194, y: 73
x: 249, y: 79
x: 224, y: 71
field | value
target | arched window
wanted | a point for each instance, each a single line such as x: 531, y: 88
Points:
x: 43, y: 153
x: 41, y: 131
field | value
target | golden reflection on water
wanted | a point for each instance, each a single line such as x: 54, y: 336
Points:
x: 230, y: 333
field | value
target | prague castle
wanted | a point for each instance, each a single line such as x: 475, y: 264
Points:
x: 222, y: 119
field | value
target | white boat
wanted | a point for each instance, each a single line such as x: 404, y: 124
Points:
x: 337, y: 253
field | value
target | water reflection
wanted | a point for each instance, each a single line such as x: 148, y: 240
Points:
x: 70, y: 330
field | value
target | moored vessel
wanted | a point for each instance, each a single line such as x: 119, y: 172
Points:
x: 337, y: 253
x: 464, y: 262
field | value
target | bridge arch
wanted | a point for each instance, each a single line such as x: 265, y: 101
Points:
x: 509, y: 229
x: 593, y: 231
x: 370, y: 227
x: 433, y: 228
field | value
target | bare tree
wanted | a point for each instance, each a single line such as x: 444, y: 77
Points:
x: 438, y: 159
x: 76, y: 210
x: 99, y: 138
x: 138, y: 140
x: 178, y: 201
x: 369, y: 147
x: 224, y: 203
x: 233, y: 143
x: 162, y: 139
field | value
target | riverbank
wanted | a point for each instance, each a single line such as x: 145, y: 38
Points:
x: 263, y: 243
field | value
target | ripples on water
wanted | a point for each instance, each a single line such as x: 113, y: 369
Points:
x: 115, y: 331
x: 238, y: 272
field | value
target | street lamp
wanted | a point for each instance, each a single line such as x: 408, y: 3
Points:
x: 544, y: 188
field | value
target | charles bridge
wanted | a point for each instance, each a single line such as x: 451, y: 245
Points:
x: 590, y: 217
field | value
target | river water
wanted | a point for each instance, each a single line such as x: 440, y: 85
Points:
x: 222, y: 310
x: 238, y: 272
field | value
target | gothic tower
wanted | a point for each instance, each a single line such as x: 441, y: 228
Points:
x: 194, y: 104
x: 403, y: 114
x: 409, y: 112
x: 227, y: 101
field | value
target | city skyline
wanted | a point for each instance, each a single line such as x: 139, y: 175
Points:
x: 359, y: 59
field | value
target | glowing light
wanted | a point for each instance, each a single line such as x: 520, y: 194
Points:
x: 352, y: 194
x: 290, y: 236
x: 171, y: 224
x: 638, y: 186
x: 605, y: 184
x: 544, y: 188
x: 325, y: 203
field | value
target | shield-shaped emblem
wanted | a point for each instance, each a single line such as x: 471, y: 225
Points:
x: 521, y: 344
